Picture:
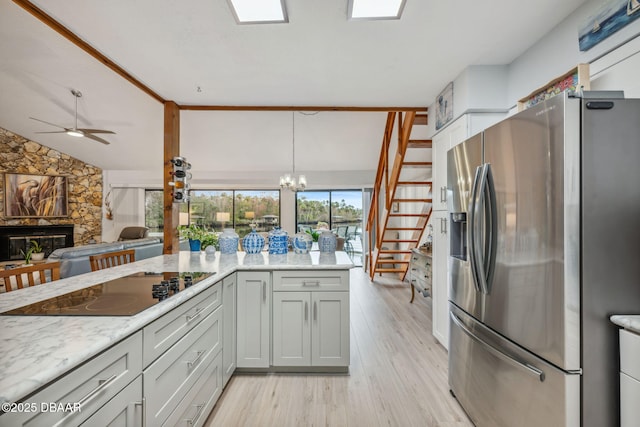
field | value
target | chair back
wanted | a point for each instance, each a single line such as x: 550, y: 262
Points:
x: 111, y: 259
x: 31, y: 275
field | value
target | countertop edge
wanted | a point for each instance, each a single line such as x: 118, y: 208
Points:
x: 630, y: 322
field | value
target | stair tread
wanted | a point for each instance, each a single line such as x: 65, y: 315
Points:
x: 403, y: 228
x: 394, y: 251
x: 399, y: 240
x: 417, y: 163
x: 391, y: 261
x: 413, y: 200
x: 416, y: 215
x: 390, y: 270
x: 419, y: 143
x: 414, y: 183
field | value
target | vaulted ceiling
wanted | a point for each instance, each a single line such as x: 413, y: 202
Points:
x: 194, y: 53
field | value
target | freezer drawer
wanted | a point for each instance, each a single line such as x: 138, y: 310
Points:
x: 501, y: 385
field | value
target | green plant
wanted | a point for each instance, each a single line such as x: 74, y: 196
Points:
x: 210, y: 238
x: 191, y: 232
x: 314, y: 235
x: 37, y: 248
x: 27, y: 255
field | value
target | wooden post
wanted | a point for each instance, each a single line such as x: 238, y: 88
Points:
x: 171, y: 150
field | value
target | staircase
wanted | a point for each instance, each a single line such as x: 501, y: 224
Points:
x: 401, y: 201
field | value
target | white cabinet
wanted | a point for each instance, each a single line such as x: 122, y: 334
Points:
x: 168, y: 381
x: 311, y: 318
x: 228, y: 328
x: 90, y: 387
x: 124, y: 410
x: 629, y: 378
x: 253, y: 319
x: 440, y: 271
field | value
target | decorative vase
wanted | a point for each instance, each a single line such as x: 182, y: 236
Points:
x: 253, y: 243
x: 278, y: 241
x: 194, y: 245
x: 37, y: 256
x: 302, y: 243
x: 228, y: 241
x: 327, y: 241
x: 210, y: 250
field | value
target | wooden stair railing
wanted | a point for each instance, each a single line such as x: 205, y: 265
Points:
x: 393, y: 228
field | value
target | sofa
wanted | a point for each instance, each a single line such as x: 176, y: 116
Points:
x: 75, y: 260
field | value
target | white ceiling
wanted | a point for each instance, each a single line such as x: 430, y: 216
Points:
x: 318, y: 59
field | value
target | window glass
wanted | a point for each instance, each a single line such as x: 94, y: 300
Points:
x: 261, y: 208
x: 154, y: 211
x: 312, y: 207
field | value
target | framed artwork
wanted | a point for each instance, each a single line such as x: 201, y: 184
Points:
x: 35, y: 196
x: 444, y: 106
x: 612, y: 16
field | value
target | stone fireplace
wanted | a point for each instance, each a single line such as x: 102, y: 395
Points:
x: 20, y: 155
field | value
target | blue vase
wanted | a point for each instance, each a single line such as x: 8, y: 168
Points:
x: 228, y: 241
x: 253, y: 243
x: 327, y: 241
x: 302, y: 243
x: 278, y: 241
x: 194, y: 245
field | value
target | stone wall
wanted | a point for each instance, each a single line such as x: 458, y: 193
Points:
x: 20, y: 155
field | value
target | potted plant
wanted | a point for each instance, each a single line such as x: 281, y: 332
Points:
x: 209, y: 240
x: 194, y: 234
x: 37, y: 253
x: 27, y: 255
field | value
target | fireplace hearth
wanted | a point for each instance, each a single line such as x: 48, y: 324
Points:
x: 17, y: 238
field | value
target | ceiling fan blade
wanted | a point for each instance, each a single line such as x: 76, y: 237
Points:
x: 96, y: 131
x: 58, y: 126
x: 54, y: 131
x: 96, y: 138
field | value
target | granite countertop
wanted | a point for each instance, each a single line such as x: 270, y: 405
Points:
x: 629, y: 322
x: 35, y: 350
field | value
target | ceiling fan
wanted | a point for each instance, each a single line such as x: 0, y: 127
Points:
x: 75, y: 131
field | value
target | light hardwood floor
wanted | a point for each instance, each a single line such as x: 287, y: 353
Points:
x: 397, y: 377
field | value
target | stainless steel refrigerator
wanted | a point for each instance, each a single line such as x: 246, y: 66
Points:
x: 545, y: 246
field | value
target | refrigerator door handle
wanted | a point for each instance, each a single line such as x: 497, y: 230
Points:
x: 478, y: 249
x: 500, y: 354
x: 491, y: 230
x: 471, y: 232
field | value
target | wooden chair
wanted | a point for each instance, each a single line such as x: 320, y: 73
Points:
x: 22, y: 277
x: 112, y: 259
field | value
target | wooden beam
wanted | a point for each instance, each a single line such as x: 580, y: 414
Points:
x: 171, y: 150
x: 297, y: 108
x: 66, y: 33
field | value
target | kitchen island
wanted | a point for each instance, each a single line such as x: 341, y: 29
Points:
x: 36, y: 351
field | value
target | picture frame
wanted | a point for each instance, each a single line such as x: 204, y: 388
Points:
x: 35, y: 196
x: 444, y: 106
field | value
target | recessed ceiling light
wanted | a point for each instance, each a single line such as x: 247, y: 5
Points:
x: 375, y: 9
x: 259, y: 11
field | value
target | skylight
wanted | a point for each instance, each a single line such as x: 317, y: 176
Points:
x: 375, y: 9
x: 259, y: 11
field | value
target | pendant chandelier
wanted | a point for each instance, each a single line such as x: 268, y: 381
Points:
x: 289, y: 181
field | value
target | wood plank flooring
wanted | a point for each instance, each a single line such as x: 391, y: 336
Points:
x: 398, y: 373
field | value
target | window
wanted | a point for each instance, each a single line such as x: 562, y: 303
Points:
x: 218, y: 209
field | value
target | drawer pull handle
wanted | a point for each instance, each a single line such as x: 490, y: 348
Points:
x: 195, y: 361
x: 102, y: 384
x: 195, y: 315
x: 193, y: 420
x: 310, y: 283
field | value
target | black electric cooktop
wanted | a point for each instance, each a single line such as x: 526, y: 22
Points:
x: 124, y: 296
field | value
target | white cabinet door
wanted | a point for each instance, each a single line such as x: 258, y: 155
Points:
x: 124, y: 410
x: 254, y: 302
x: 440, y: 286
x: 330, y: 329
x: 291, y: 329
x: 440, y: 144
x: 228, y: 328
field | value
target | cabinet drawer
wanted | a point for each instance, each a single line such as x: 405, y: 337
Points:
x: 629, y: 398
x: 421, y: 262
x: 199, y: 401
x: 168, y: 329
x: 302, y: 280
x: 169, y: 378
x: 125, y: 409
x: 630, y: 354
x: 91, y: 385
